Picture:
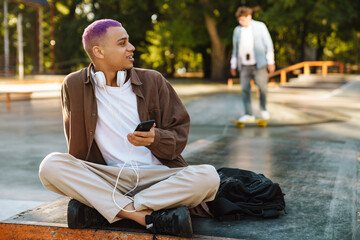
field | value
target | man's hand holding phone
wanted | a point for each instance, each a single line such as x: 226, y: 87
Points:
x: 144, y: 134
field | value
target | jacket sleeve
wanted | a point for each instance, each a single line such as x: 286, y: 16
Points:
x: 269, y: 48
x: 65, y: 104
x: 173, y: 124
x: 234, y: 56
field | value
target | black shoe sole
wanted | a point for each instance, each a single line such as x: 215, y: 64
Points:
x: 81, y: 216
x: 185, y: 225
x: 75, y: 215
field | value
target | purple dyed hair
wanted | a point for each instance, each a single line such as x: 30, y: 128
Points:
x: 96, y: 30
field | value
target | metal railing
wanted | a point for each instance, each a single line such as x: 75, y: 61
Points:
x: 305, y: 65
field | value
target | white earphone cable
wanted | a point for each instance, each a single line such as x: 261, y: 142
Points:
x: 136, y: 168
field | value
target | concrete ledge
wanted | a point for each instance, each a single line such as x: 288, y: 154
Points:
x: 44, y: 232
x: 48, y: 221
x: 34, y: 231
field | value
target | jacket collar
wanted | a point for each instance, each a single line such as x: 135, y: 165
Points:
x: 88, y: 73
x: 136, y: 83
x: 134, y: 77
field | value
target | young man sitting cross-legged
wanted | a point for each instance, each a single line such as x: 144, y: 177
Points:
x: 122, y: 173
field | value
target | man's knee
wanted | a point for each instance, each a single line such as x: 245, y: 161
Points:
x: 246, y: 90
x: 49, y: 168
x: 262, y: 87
x: 213, y: 177
x: 209, y: 177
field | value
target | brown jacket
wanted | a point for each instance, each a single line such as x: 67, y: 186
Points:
x: 156, y: 99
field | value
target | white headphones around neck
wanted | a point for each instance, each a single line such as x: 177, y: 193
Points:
x: 100, y: 80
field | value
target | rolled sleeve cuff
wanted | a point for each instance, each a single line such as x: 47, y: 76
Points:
x: 233, y: 63
x: 156, y: 139
x: 270, y: 57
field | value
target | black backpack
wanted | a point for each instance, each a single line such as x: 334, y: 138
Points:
x: 245, y: 193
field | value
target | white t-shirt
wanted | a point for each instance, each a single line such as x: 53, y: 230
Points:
x: 246, y: 47
x: 118, y: 116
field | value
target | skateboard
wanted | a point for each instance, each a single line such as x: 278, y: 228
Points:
x: 258, y: 122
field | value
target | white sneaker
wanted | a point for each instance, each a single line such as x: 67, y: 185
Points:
x: 265, y: 115
x: 247, y: 118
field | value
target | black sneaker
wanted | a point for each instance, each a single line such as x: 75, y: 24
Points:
x: 175, y: 221
x: 81, y: 216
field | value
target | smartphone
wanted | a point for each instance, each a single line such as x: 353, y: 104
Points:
x: 145, y: 126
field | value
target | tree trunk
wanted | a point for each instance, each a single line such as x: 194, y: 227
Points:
x: 206, y: 60
x: 217, y: 51
x: 321, y: 41
x: 303, y: 27
x: 6, y: 40
x: 164, y: 66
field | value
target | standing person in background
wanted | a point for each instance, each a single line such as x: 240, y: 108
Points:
x: 253, y: 56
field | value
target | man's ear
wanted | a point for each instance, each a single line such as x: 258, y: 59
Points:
x: 98, y: 52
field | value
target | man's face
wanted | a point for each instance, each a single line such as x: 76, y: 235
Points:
x: 245, y: 20
x: 117, y: 50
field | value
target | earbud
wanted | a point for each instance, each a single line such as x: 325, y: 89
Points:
x: 100, y: 80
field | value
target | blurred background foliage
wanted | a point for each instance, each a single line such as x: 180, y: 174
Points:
x: 176, y: 37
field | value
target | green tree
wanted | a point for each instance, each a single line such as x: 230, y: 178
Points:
x: 29, y: 23
x: 300, y: 25
x: 73, y: 16
x: 219, y: 21
x: 171, y: 34
x: 174, y: 40
x: 205, y: 27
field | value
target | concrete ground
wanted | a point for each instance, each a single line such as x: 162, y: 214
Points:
x: 311, y: 148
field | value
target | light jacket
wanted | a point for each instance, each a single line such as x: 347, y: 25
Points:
x: 156, y: 99
x: 262, y: 45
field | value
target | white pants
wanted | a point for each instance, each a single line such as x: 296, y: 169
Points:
x: 93, y: 184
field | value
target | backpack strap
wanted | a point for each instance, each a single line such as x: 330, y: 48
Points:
x: 222, y: 206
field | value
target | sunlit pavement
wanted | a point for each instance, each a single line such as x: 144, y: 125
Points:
x: 311, y: 148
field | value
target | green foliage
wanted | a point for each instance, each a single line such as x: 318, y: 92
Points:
x: 298, y: 25
x: 172, y: 34
x: 174, y: 39
x: 166, y: 54
x: 72, y: 17
x: 29, y: 42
